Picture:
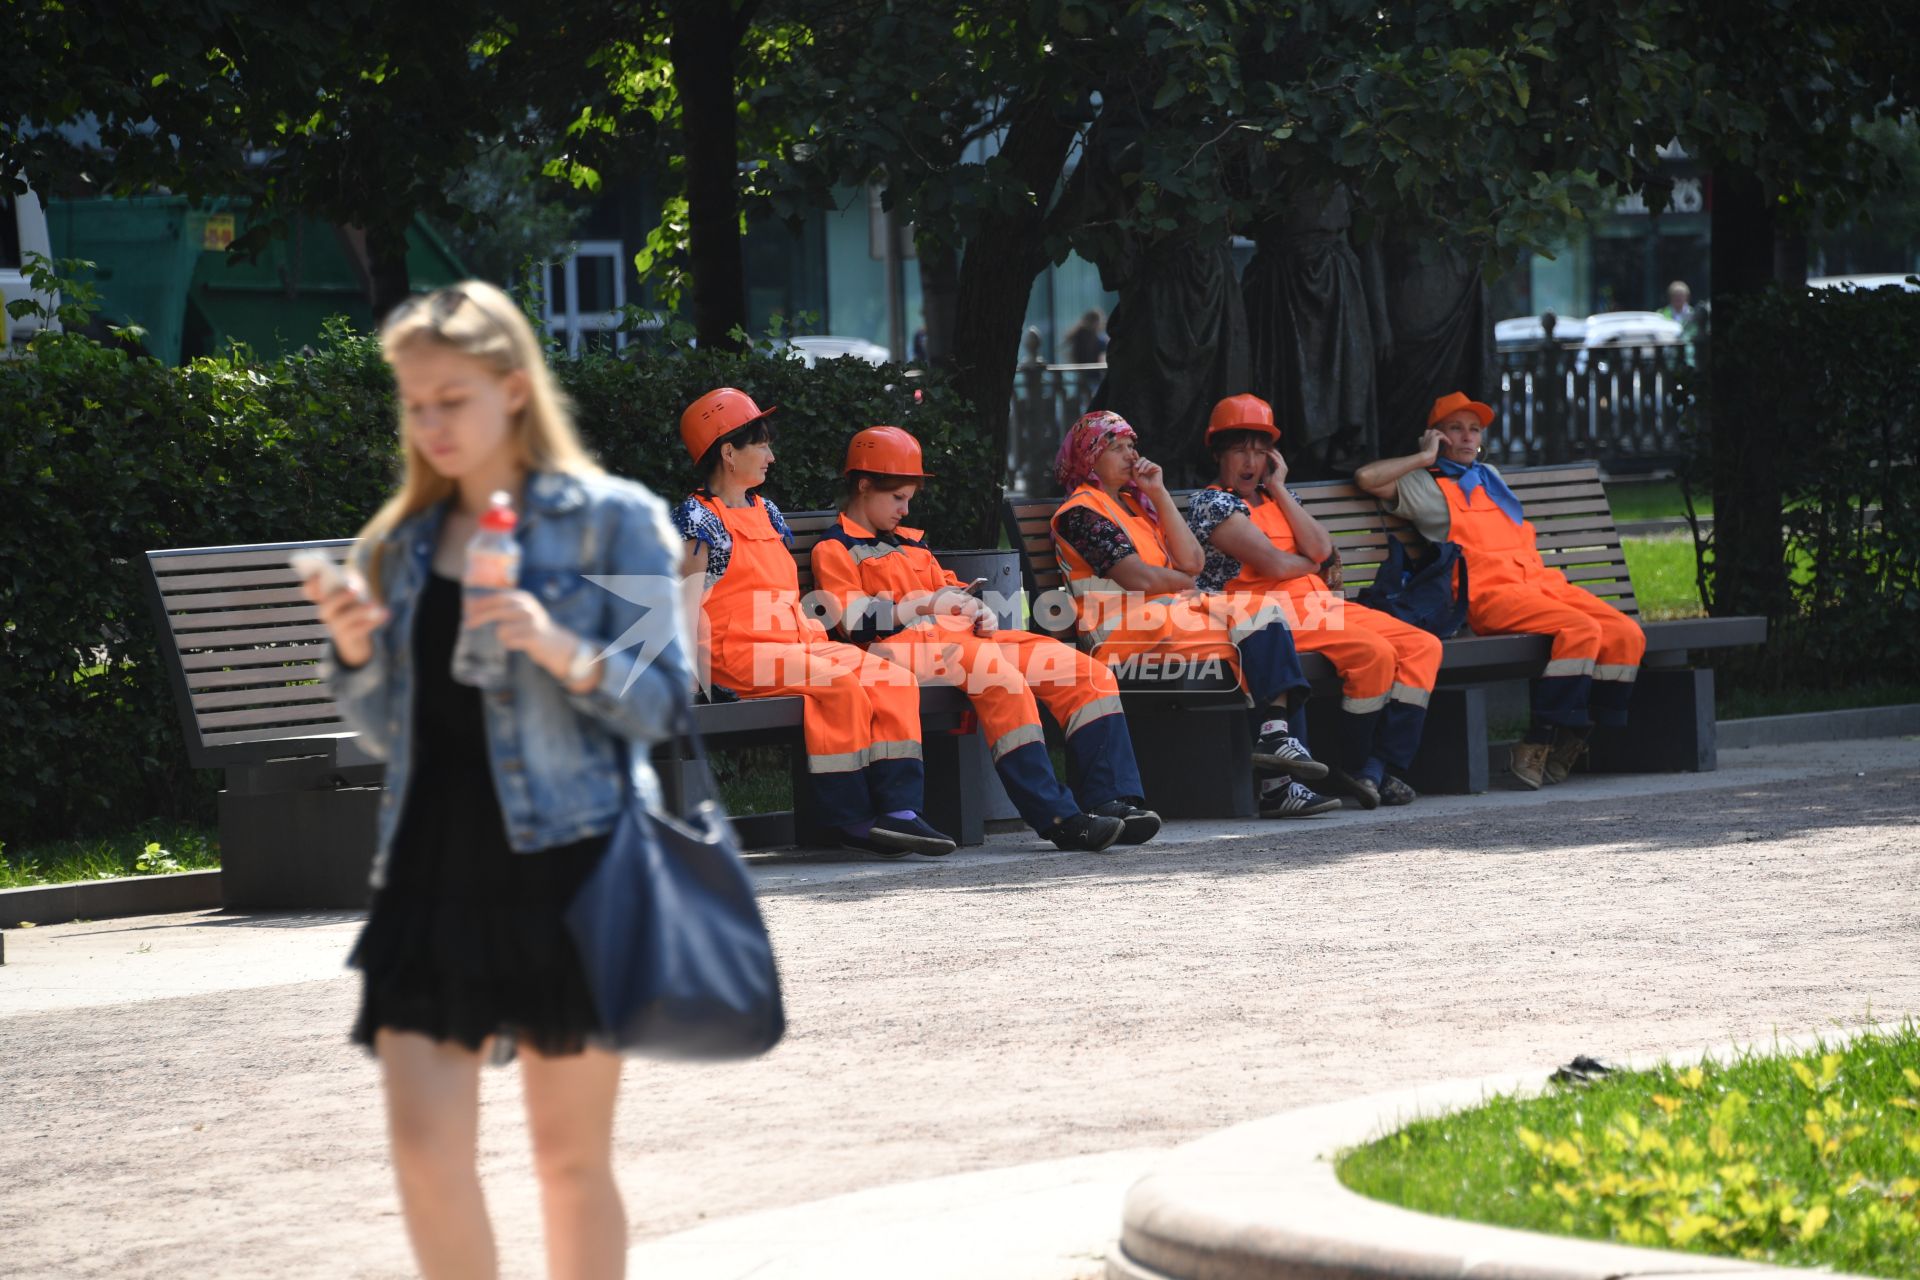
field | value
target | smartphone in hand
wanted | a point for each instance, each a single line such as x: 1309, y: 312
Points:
x: 313, y: 564
x: 974, y: 588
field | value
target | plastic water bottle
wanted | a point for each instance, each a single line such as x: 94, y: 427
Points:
x: 493, y: 564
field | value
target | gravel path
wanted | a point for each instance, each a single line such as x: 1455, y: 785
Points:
x: 996, y: 1009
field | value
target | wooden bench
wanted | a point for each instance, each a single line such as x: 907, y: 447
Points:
x: 1670, y: 724
x: 298, y: 815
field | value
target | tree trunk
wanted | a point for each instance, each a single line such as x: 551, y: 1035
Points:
x: 939, y: 290
x: 387, y: 272
x: 996, y: 276
x: 1749, y: 554
x: 703, y: 45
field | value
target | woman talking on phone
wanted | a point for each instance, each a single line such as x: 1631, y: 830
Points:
x: 500, y: 799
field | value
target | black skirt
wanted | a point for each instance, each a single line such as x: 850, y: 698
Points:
x: 466, y: 940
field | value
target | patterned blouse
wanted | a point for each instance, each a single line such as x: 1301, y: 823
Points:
x: 697, y: 524
x: 1210, y: 509
x: 1100, y: 542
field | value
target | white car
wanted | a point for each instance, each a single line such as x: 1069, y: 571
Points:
x: 811, y: 351
x: 1527, y: 331
x: 1630, y: 329
x: 1907, y: 282
x: 23, y: 230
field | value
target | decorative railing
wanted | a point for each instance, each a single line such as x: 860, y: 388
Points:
x: 1618, y: 405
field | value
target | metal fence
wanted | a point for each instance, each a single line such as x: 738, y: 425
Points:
x: 1617, y: 405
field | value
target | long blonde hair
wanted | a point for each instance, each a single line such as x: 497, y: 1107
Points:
x: 475, y: 319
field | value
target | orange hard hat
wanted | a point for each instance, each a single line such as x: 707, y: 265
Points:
x: 718, y: 413
x: 886, y: 451
x: 1242, y: 413
x: 1453, y: 402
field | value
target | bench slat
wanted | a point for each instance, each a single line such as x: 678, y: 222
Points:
x: 307, y: 715
x: 262, y: 677
x: 184, y: 624
x: 234, y: 599
x: 271, y: 577
x: 264, y: 655
x: 320, y: 735
x: 165, y: 562
x: 285, y: 693
x: 257, y: 636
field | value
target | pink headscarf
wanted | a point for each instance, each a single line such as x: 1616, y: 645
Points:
x: 1085, y: 441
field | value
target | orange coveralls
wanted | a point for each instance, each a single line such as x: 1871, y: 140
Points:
x: 1596, y: 648
x: 862, y: 716
x: 1387, y: 667
x: 1005, y: 674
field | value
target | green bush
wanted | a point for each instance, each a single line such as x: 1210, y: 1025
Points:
x: 1833, y: 378
x: 104, y: 457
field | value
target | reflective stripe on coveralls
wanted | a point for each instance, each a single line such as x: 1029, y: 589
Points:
x: 1005, y: 675
x: 1596, y: 648
x: 1387, y: 667
x: 861, y: 720
x: 1118, y: 625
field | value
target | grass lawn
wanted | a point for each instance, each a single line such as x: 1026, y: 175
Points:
x: 1801, y: 1160
x: 1663, y: 580
x: 1652, y: 500
x: 151, y: 848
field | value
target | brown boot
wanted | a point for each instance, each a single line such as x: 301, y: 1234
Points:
x: 1529, y: 763
x: 1568, y: 746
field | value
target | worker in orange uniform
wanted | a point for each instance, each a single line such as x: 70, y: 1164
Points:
x: 862, y: 716
x: 888, y: 591
x: 1130, y: 560
x: 1449, y: 494
x: 1259, y: 540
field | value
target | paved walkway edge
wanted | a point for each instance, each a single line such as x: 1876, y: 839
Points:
x: 1260, y: 1201
x: 1820, y: 726
x: 105, y: 899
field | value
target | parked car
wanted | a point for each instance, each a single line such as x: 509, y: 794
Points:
x: 1630, y: 329
x: 812, y: 350
x: 23, y: 230
x: 1529, y: 331
x: 1895, y: 281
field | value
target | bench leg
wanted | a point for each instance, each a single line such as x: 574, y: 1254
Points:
x: 1670, y: 726
x: 1452, y: 759
x: 958, y: 775
x: 297, y: 848
x: 1195, y: 762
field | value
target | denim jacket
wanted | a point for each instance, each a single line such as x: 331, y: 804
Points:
x: 561, y: 761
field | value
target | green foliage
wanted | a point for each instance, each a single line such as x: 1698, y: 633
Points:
x: 1836, y: 376
x: 151, y: 847
x: 1798, y: 1159
x: 104, y: 457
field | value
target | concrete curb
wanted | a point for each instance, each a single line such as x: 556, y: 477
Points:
x: 1261, y: 1201
x: 1821, y: 726
x: 104, y: 899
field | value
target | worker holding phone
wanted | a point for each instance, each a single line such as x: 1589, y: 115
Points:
x: 890, y: 593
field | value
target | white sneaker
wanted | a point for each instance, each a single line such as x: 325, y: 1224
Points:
x: 1282, y: 753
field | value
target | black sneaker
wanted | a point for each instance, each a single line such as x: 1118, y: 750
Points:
x: 1085, y: 832
x: 1282, y: 753
x: 910, y: 835
x: 868, y: 845
x: 1295, y: 800
x: 1396, y: 791
x: 1362, y: 789
x: 1141, y: 826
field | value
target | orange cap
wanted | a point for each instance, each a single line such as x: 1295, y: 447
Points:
x: 1242, y: 413
x: 1453, y: 402
x: 718, y: 413
x: 885, y: 451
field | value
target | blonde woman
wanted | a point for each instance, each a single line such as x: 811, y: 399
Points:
x: 498, y: 803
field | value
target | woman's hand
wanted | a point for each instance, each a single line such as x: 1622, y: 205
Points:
x: 349, y: 616
x: 1430, y: 446
x: 1276, y: 469
x: 1149, y: 475
x: 524, y: 626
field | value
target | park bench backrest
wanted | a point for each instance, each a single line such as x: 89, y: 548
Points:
x: 1566, y: 504
x: 247, y: 685
x: 249, y: 648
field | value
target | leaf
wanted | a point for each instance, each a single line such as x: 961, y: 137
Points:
x: 1666, y: 1104
x: 1693, y: 1077
x: 1804, y: 1074
x: 1816, y: 1218
x: 1532, y: 1141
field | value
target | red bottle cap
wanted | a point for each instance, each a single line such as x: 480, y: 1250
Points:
x: 499, y: 517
